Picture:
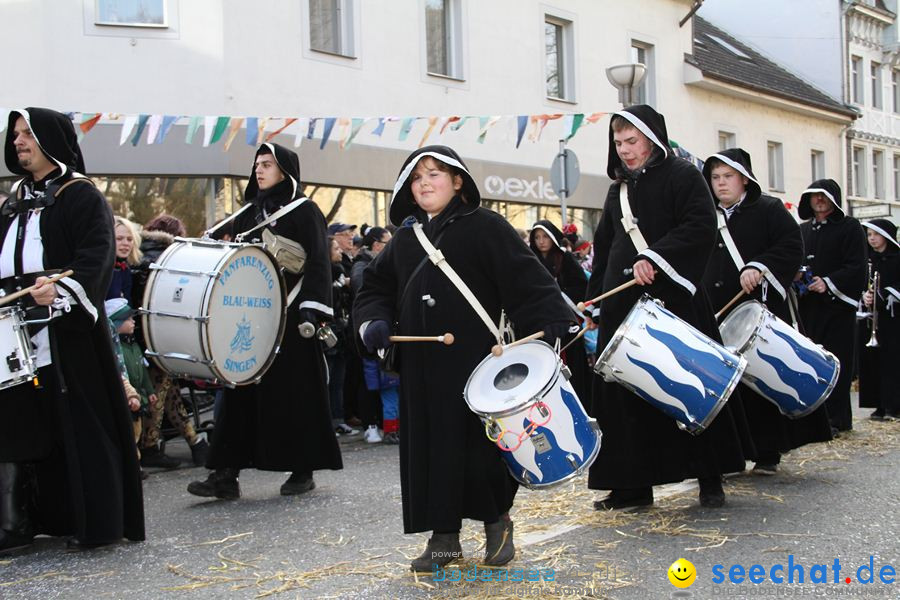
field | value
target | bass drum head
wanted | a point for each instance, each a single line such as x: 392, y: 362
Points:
x: 741, y: 325
x: 246, y: 315
x: 506, y: 382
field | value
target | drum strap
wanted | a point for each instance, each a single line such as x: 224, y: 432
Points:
x: 628, y: 221
x: 729, y: 241
x: 437, y: 258
x: 215, y: 228
x: 272, y: 218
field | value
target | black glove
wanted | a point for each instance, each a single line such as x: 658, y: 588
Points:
x: 376, y: 336
x: 558, y: 330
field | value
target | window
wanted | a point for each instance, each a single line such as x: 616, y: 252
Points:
x: 131, y: 13
x: 331, y: 26
x: 859, y: 171
x: 643, y: 53
x: 558, y: 58
x: 856, y: 79
x: 896, y: 177
x: 442, y: 38
x: 895, y: 89
x: 875, y: 70
x: 727, y: 140
x: 776, y: 166
x: 817, y: 164
x: 878, y: 173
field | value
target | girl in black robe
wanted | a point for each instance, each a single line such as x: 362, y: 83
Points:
x: 449, y: 470
x: 573, y: 283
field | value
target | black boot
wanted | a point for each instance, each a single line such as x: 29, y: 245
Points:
x: 499, y: 548
x: 16, y: 530
x: 199, y: 452
x: 711, y: 493
x: 154, y: 457
x: 625, y: 498
x: 442, y: 549
x: 221, y: 483
x: 299, y: 482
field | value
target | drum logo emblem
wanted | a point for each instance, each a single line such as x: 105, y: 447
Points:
x: 242, y: 340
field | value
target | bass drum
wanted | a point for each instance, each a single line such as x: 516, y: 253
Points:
x: 214, y: 311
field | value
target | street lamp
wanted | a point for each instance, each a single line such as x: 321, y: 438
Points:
x: 625, y: 78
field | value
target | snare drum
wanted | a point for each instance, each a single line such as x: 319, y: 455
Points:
x: 671, y: 365
x: 16, y: 356
x: 214, y: 311
x: 783, y: 366
x: 530, y: 410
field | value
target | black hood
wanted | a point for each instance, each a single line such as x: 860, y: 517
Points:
x: 287, y: 161
x: 550, y: 229
x: 647, y: 121
x: 884, y: 227
x: 832, y: 191
x: 737, y: 159
x: 55, y: 135
x: 403, y: 204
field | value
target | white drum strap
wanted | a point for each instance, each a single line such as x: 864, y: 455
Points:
x: 272, y: 218
x: 628, y: 221
x: 437, y: 258
x: 729, y: 241
x: 225, y: 222
x: 294, y: 291
x: 792, y: 306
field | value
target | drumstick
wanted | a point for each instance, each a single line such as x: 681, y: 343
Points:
x: 446, y: 339
x: 16, y: 295
x: 498, y: 349
x: 574, y: 339
x: 730, y: 302
x: 615, y: 290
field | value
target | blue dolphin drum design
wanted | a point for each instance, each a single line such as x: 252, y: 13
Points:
x: 671, y: 365
x: 783, y: 366
x: 531, y: 412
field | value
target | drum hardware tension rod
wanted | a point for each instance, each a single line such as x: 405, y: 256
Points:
x: 160, y: 313
x: 497, y: 350
x: 24, y: 292
x: 615, y: 290
x: 447, y: 339
x: 157, y: 267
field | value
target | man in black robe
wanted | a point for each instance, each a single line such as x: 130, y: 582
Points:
x: 835, y: 248
x: 282, y: 423
x: 68, y: 462
x: 879, y: 375
x: 768, y: 252
x: 675, y: 215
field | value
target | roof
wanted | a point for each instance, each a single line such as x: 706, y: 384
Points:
x: 723, y: 57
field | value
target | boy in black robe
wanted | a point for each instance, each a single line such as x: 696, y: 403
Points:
x: 835, y: 248
x: 66, y: 440
x: 769, y: 249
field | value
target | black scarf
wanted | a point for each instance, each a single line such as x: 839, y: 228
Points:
x: 270, y: 200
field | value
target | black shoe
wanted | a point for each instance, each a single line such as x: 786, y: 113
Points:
x: 298, y: 483
x: 221, y: 483
x: 625, y: 498
x: 154, y: 457
x: 835, y: 433
x: 392, y: 438
x: 499, y: 548
x: 75, y: 545
x: 199, y: 451
x: 764, y: 469
x: 442, y: 549
x: 12, y: 542
x: 16, y: 528
x: 711, y: 493
x: 877, y: 415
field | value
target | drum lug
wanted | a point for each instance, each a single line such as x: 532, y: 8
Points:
x: 633, y: 342
x: 566, y: 372
x: 710, y: 392
x: 572, y: 462
x: 729, y: 363
x: 821, y: 381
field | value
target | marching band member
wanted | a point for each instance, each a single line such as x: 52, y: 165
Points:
x: 836, y: 258
x: 449, y: 470
x: 66, y: 439
x: 768, y: 252
x: 676, y: 222
x: 879, y: 379
x: 282, y: 423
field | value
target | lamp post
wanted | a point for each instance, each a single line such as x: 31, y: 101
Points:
x: 625, y: 78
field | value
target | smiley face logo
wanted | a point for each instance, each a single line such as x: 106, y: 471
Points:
x: 682, y: 573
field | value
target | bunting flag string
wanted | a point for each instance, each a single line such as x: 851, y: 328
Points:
x: 259, y: 129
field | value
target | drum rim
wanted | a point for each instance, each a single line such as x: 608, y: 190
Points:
x: 516, y: 408
x: 723, y: 399
x: 592, y: 422
x: 751, y: 340
x: 216, y: 375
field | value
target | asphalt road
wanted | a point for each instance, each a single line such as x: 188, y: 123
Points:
x: 343, y: 540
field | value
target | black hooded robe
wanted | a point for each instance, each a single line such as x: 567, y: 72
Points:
x: 283, y: 423
x: 449, y: 470
x: 76, y: 430
x: 675, y: 213
x: 572, y: 282
x: 835, y: 251
x: 768, y: 239
x: 879, y: 375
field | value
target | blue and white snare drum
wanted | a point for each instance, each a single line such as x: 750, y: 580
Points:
x: 530, y: 410
x: 671, y: 365
x: 783, y: 366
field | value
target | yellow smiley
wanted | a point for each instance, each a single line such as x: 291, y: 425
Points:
x: 682, y: 573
